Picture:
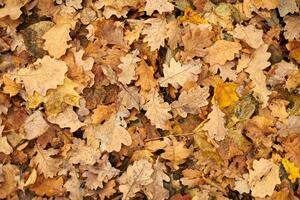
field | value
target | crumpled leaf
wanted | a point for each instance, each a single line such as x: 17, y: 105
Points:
x: 102, y: 113
x: 160, y: 5
x: 263, y: 178
x: 157, y: 110
x: 128, y: 65
x: 112, y: 135
x: 35, y: 125
x: 175, y: 152
x: 291, y: 169
x: 99, y: 174
x: 45, y: 163
x: 190, y: 101
x: 135, y: 178
x: 251, y: 35
x: 49, y: 187
x: 67, y: 119
x: 215, y: 127
x: 155, y: 32
x: 222, y: 51
x: 178, y: 74
x: 49, y: 74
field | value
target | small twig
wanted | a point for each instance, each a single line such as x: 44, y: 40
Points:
x: 177, y: 135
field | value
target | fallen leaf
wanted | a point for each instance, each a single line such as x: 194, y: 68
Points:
x: 12, y: 8
x: 72, y: 185
x: 158, y: 5
x: 108, y: 190
x: 9, y: 184
x: 10, y: 87
x: 251, y: 35
x: 146, y: 80
x: 225, y: 94
x: 291, y: 29
x: 155, y: 32
x: 35, y: 125
x: 102, y: 113
x: 291, y: 169
x: 49, y: 187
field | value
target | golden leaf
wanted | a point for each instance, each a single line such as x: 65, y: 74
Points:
x: 225, y: 94
x: 291, y: 169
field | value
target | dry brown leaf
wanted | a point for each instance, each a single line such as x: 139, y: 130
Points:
x: 10, y: 86
x: 292, y: 28
x: 195, y: 40
x: 49, y: 187
x: 287, y: 6
x: 35, y: 125
x: 190, y: 101
x: 160, y: 5
x: 173, y: 33
x: 135, y: 178
x: 146, y: 80
x: 155, y: 32
x: 222, y: 51
x: 49, y: 73
x: 266, y: 4
x: 72, y: 185
x: 251, y: 35
x: 102, y: 113
x: 108, y: 190
x: 9, y: 183
x: 12, y: 8
x: 176, y: 152
x: 294, y: 48
x: 128, y: 65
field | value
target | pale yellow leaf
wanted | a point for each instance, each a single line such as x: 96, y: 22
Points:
x: 160, y: 5
x: 35, y: 125
x: 155, y: 32
x: 251, y: 35
x: 292, y: 28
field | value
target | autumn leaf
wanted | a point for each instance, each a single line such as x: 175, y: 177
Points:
x: 49, y: 74
x: 160, y: 5
x: 215, y: 127
x: 291, y: 29
x: 102, y: 113
x: 157, y: 110
x: 108, y: 190
x: 10, y: 87
x: 135, y: 178
x: 49, y: 187
x: 249, y: 34
x: 291, y: 169
x: 225, y: 94
x: 146, y: 80
x: 72, y: 185
x: 12, y: 8
x: 190, y: 101
x: 192, y: 16
x: 9, y: 182
x: 155, y: 33
x: 35, y: 125
x: 222, y: 51
x: 177, y: 74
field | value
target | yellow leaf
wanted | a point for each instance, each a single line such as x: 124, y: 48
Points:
x: 192, y: 16
x: 102, y: 113
x: 10, y: 86
x: 225, y: 93
x: 291, y: 169
x: 54, y: 99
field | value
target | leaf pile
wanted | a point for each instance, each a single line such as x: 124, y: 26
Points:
x: 150, y: 99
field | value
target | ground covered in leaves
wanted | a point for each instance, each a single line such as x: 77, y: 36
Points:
x: 150, y: 99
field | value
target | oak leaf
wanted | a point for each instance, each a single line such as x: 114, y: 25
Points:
x: 35, y: 125
x: 263, y: 178
x: 155, y: 32
x: 176, y: 152
x: 173, y: 33
x: 130, y: 97
x: 225, y: 93
x: 138, y: 175
x: 190, y: 101
x: 291, y: 169
x: 178, y: 74
x: 160, y: 5
x: 67, y: 119
x: 5, y: 146
x: 99, y: 174
x: 108, y: 190
x: 48, y: 75
x: 292, y: 29
x: 72, y: 185
x: 102, y: 113
x: 12, y: 8
x: 49, y: 187
x: 112, y: 135
x: 157, y: 110
x: 128, y: 65
x: 251, y: 35
x: 215, y: 127
x: 222, y: 51
x: 10, y: 181
x: 195, y: 42
x: 10, y: 86
x: 287, y: 6
x: 45, y: 163
x: 146, y: 80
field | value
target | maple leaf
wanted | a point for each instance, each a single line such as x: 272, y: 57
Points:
x: 258, y: 62
x: 175, y: 152
x: 156, y: 190
x: 49, y: 74
x: 112, y: 135
x: 146, y: 80
x: 82, y: 153
x: 135, y: 178
x: 35, y: 125
x: 12, y: 8
x: 190, y: 101
x: 72, y: 185
x: 195, y: 40
x: 222, y: 51
x: 157, y: 110
x: 215, y: 127
x: 291, y: 169
x: 178, y: 74
x: 292, y: 29
x: 128, y: 65
x: 263, y: 178
x: 249, y: 34
x: 55, y: 99
x: 67, y: 119
x: 45, y: 163
x: 49, y: 187
x: 160, y: 5
x: 100, y: 173
x: 156, y: 32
